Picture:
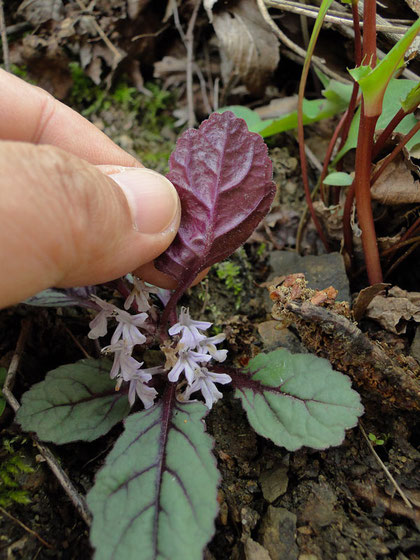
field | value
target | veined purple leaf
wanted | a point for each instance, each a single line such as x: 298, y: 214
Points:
x: 74, y: 402
x: 55, y: 297
x: 155, y: 498
x: 223, y: 177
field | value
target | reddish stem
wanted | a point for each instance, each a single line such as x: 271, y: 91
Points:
x: 329, y: 152
x: 305, y: 179
x: 386, y: 133
x: 363, y: 198
x: 369, y: 32
x: 357, y: 34
x: 395, y: 152
x: 347, y: 231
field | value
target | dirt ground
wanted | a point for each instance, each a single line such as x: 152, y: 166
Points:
x: 337, y: 504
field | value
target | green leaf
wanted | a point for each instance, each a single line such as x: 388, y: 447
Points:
x: 297, y: 400
x: 156, y: 496
x: 373, y: 81
x: 337, y: 97
x: 412, y: 100
x: 3, y: 374
x: 396, y: 91
x: 338, y: 178
x: 75, y: 402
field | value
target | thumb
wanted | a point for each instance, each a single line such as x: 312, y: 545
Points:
x: 64, y: 223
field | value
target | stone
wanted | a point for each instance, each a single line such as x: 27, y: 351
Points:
x: 320, y: 271
x: 274, y: 483
x: 415, y: 345
x: 278, y: 534
x: 274, y: 335
x: 254, y: 551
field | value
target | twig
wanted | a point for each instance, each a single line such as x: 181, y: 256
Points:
x: 4, y: 43
x: 27, y: 529
x: 401, y: 259
x: 117, y: 55
x: 62, y: 477
x: 77, y: 343
x: 188, y: 40
x: 385, y: 469
x: 295, y: 48
x: 333, y: 17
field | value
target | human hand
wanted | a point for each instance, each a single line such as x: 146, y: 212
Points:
x: 63, y: 220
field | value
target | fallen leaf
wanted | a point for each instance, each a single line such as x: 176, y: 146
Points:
x: 249, y: 47
x: 364, y: 298
x: 396, y: 185
x: 134, y: 7
x: 40, y: 11
x: 414, y: 5
x: 395, y: 310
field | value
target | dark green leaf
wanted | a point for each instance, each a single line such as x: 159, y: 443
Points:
x: 155, y: 498
x: 75, y: 402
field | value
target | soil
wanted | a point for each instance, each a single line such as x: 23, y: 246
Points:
x: 337, y: 504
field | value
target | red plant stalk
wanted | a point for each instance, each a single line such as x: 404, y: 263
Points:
x: 305, y: 179
x: 330, y: 148
x: 369, y: 33
x: 386, y: 133
x: 347, y: 231
x: 395, y: 152
x: 363, y: 198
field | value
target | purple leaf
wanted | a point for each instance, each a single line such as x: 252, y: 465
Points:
x: 223, y: 177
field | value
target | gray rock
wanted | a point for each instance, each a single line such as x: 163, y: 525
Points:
x: 415, y: 345
x: 274, y: 483
x: 320, y: 271
x: 254, y: 551
x: 274, y: 335
x: 278, y: 534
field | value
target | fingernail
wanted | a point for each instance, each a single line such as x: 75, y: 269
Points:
x: 152, y: 199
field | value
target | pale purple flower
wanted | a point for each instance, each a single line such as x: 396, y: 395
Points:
x: 209, y: 345
x: 189, y: 363
x: 205, y: 382
x: 124, y: 364
x: 138, y: 385
x: 99, y: 325
x: 140, y: 294
x: 189, y: 328
x: 145, y: 393
x: 127, y: 328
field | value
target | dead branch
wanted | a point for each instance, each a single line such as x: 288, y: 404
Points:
x: 62, y: 477
x: 328, y: 331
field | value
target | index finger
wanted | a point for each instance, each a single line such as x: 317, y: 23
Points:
x: 30, y: 114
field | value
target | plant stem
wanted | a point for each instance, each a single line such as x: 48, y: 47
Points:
x: 386, y: 133
x: 363, y: 198
x: 369, y: 33
x: 395, y: 152
x: 347, y: 231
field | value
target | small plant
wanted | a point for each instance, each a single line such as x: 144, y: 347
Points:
x: 378, y: 441
x: 230, y: 273
x: 377, y: 101
x: 12, y: 467
x: 156, y: 495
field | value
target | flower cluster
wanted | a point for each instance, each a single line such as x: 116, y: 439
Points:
x: 127, y: 335
x: 194, y: 352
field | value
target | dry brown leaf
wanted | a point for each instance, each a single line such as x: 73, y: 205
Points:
x: 364, y: 298
x: 40, y: 11
x: 395, y: 310
x: 331, y: 218
x: 248, y: 45
x: 134, y: 7
x: 396, y: 185
x: 278, y: 107
x: 414, y: 5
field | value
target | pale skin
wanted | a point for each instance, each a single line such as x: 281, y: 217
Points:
x: 63, y: 221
